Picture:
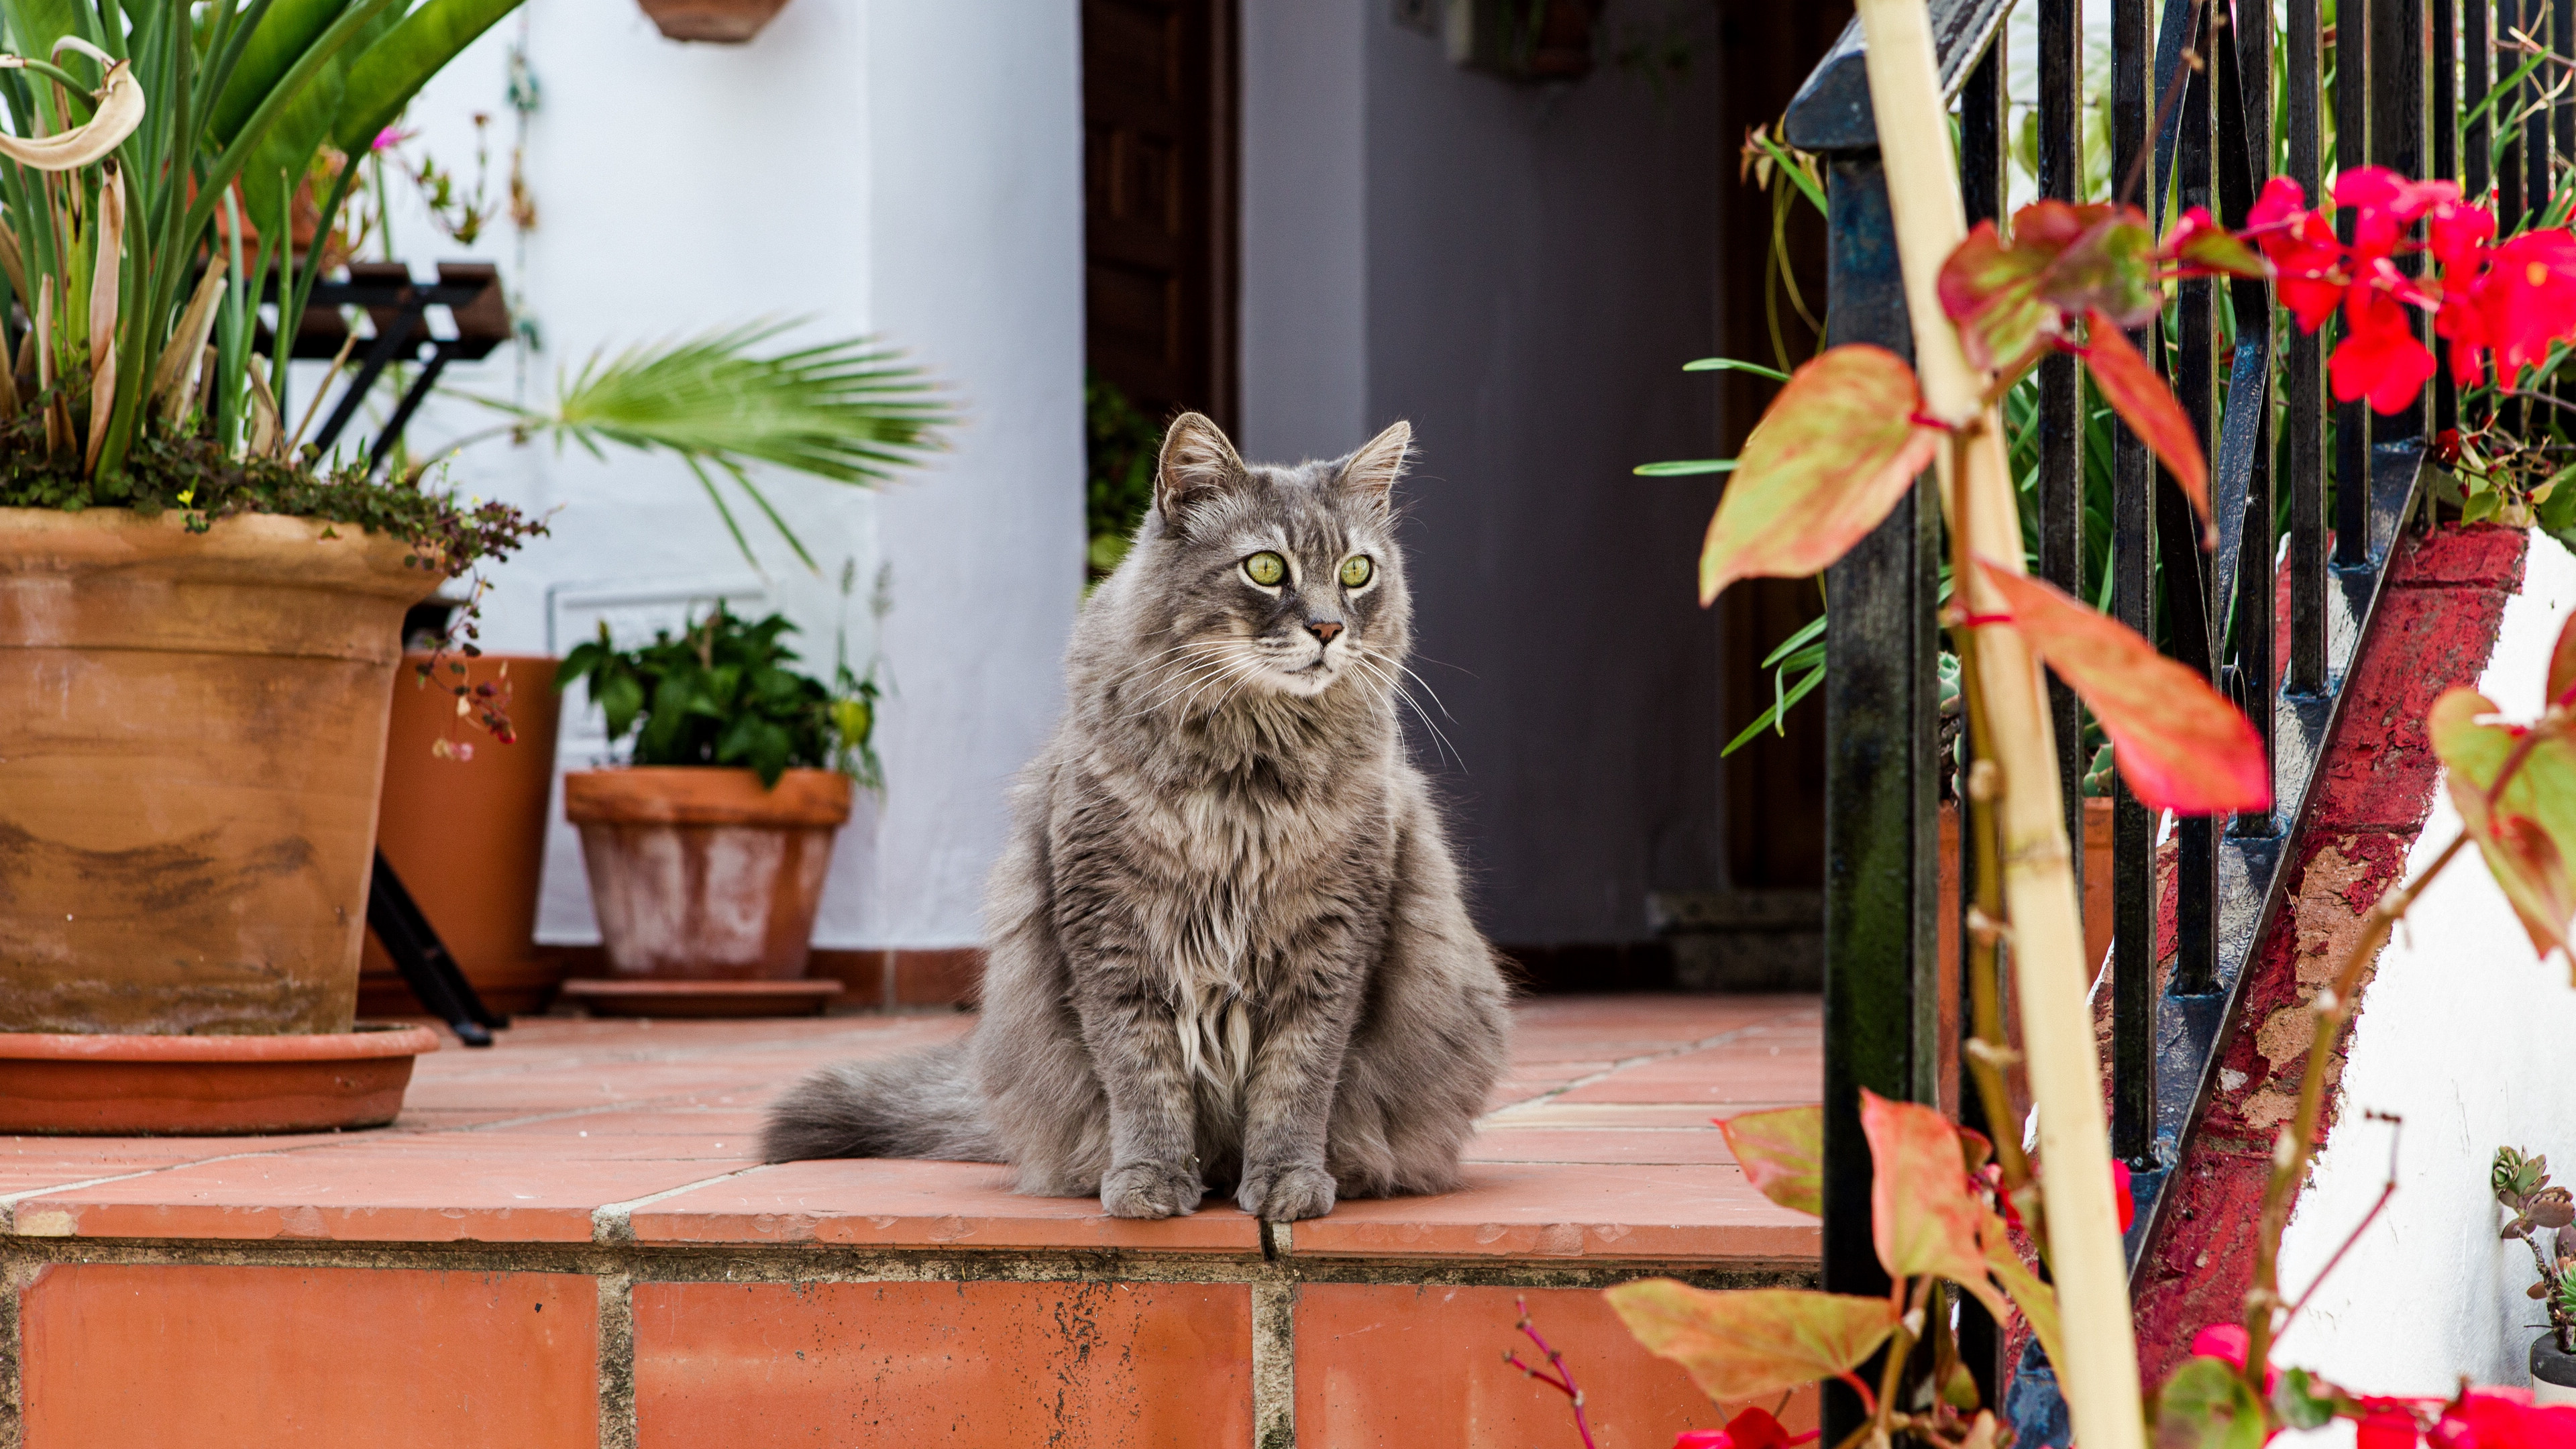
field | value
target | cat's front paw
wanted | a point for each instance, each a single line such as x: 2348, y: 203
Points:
x: 1151, y: 1190
x: 1286, y: 1194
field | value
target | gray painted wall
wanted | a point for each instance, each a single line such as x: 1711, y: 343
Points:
x: 1536, y: 265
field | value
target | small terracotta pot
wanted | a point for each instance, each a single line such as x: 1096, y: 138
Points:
x: 205, y: 1085
x: 725, y: 22
x: 698, y: 873
x: 192, y: 735
x: 468, y: 835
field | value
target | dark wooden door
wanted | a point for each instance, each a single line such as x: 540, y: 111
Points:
x: 1158, y: 140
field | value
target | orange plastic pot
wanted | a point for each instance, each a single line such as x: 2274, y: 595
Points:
x: 698, y: 873
x: 466, y: 830
x: 192, y: 735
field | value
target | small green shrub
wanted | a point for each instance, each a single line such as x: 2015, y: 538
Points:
x: 723, y: 694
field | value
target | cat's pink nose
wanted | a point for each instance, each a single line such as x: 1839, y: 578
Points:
x: 1323, y: 629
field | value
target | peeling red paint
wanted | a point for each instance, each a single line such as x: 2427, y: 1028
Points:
x: 2436, y: 628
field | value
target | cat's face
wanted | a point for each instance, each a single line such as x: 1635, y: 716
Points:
x: 1283, y: 581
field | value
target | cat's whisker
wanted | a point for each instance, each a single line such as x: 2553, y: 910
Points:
x: 1207, y: 655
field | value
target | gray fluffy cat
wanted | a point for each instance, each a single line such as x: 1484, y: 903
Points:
x: 1226, y: 939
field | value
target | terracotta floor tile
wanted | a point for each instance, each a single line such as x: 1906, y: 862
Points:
x: 1561, y: 1113
x: 1737, y: 1072
x: 1081, y: 1365
x: 1647, y: 1145
x: 253, y: 1358
x: 1572, y: 1211
x: 357, y: 1197
x: 1400, y: 1367
x: 920, y: 1204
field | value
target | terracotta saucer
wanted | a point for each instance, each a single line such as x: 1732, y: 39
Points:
x: 205, y: 1086
x: 612, y: 996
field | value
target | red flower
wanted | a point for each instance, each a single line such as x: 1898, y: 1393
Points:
x: 2302, y: 250
x: 2498, y: 1418
x: 1752, y: 1429
x: 2387, y: 1428
x: 2120, y: 1192
x: 2385, y: 204
x: 2527, y: 298
x: 2379, y: 357
x: 2458, y: 232
x: 2228, y: 1343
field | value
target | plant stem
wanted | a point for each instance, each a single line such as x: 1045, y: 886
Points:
x: 2100, y: 1374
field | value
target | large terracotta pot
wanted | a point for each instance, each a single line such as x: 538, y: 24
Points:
x: 192, y: 729
x: 467, y: 832
x: 698, y: 873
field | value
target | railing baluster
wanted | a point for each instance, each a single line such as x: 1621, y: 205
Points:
x: 2133, y: 848
x: 2352, y: 419
x: 2535, y: 128
x: 2187, y: 581
x: 2562, y: 43
x: 2397, y: 142
x: 2446, y: 162
x: 2245, y: 140
x: 2303, y: 66
x: 2511, y: 204
x: 2061, y: 421
x: 2477, y: 173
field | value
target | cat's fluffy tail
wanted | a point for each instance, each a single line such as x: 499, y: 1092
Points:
x: 922, y: 1104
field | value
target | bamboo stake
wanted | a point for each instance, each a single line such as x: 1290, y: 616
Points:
x: 2100, y: 1376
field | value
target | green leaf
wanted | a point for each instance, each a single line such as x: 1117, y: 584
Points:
x: 2206, y: 1405
x: 1837, y: 448
x: 1685, y: 468
x: 2012, y: 298
x: 1756, y: 1342
x: 2303, y: 1400
x: 285, y: 153
x: 391, y: 71
x: 283, y: 35
x: 1734, y: 364
x: 1782, y: 1152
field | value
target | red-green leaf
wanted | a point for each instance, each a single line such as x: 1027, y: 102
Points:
x: 2143, y: 401
x: 1991, y: 290
x: 1756, y: 1342
x: 2108, y: 266
x: 1922, y: 1217
x: 2206, y: 1405
x: 2562, y: 658
x: 2011, y: 298
x: 1782, y: 1152
x: 1828, y: 461
x: 2528, y: 834
x: 2179, y: 743
x: 2217, y: 251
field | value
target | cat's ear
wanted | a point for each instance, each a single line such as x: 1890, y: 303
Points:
x: 1371, y: 472
x: 1197, y: 464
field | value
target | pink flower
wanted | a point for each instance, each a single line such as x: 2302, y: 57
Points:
x: 2228, y: 1343
x: 2306, y: 258
x: 2386, y: 204
x: 2503, y: 1418
x: 1752, y: 1429
x: 390, y: 137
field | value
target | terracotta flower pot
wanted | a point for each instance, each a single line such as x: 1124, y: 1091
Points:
x: 698, y: 873
x: 467, y: 832
x: 192, y: 732
x: 726, y: 22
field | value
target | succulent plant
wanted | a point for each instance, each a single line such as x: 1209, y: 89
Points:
x: 2544, y: 1217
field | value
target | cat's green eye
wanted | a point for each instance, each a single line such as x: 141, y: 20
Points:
x: 1356, y: 570
x: 1265, y: 568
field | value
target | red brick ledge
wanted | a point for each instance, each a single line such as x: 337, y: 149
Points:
x: 2435, y: 628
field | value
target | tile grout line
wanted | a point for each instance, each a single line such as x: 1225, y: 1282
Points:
x: 617, y: 1427
x: 1624, y: 1063
x: 1274, y: 1365
x: 614, y: 1223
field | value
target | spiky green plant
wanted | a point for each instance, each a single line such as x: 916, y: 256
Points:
x: 130, y: 130
x: 849, y: 411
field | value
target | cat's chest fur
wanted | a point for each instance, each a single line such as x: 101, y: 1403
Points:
x: 1211, y: 883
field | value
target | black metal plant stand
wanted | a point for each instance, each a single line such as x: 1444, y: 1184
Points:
x: 397, y: 307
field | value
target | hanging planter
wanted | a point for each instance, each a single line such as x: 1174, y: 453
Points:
x: 720, y: 22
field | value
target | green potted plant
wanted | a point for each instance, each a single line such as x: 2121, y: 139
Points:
x: 706, y: 852
x: 2544, y: 1218
x: 199, y: 621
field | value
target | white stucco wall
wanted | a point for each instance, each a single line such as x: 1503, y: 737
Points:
x: 904, y: 168
x: 2464, y: 1034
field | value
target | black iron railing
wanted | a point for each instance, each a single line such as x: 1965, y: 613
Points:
x: 2195, y: 92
